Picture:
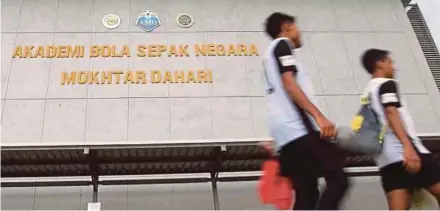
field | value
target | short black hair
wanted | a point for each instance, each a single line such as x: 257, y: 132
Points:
x: 274, y: 22
x: 371, y: 57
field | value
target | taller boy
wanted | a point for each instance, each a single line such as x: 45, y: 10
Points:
x: 300, y: 130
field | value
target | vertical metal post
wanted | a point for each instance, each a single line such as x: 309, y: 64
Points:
x: 214, y: 176
x: 93, y: 156
x: 95, y: 189
x: 215, y: 169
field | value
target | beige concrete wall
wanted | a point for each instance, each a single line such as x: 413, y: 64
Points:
x: 38, y: 109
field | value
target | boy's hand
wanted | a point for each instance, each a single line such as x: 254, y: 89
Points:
x: 328, y: 130
x: 411, y: 159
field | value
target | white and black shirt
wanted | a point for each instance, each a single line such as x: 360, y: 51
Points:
x: 384, y: 93
x: 286, y: 121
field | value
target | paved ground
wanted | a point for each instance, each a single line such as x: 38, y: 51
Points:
x: 366, y: 194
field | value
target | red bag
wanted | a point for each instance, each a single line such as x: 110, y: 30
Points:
x: 275, y: 189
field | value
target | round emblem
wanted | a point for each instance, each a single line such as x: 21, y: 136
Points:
x: 185, y: 20
x: 111, y: 21
x: 148, y: 21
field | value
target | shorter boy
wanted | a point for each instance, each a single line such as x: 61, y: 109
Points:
x: 405, y: 164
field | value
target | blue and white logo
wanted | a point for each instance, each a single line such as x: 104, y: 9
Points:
x: 148, y: 21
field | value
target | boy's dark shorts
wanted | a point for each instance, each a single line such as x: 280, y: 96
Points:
x: 308, y: 157
x: 394, y: 176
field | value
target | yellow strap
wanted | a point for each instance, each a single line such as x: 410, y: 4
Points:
x: 382, y: 133
x: 364, y: 101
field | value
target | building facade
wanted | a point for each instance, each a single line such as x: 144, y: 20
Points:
x: 138, y: 71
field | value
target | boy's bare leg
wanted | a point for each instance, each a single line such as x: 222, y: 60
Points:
x: 399, y: 199
x: 435, y: 191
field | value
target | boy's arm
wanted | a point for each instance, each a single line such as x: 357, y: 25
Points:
x: 390, y: 101
x: 287, y: 67
x: 295, y: 92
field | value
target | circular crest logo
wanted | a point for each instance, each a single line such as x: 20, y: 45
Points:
x: 148, y: 21
x: 185, y: 20
x: 111, y: 21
